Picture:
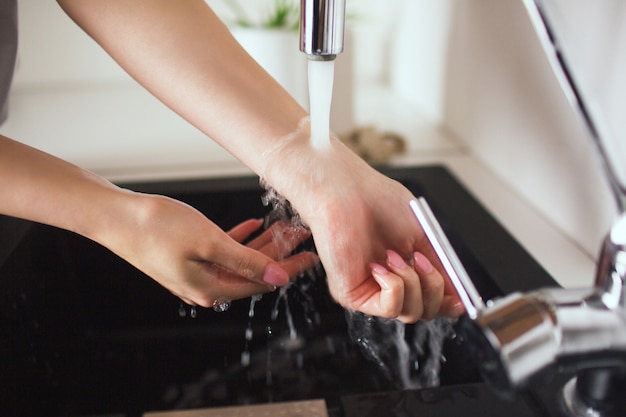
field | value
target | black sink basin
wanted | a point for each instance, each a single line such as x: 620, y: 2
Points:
x: 84, y: 333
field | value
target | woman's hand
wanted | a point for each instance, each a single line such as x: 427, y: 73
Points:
x: 194, y: 259
x: 356, y: 215
x: 419, y: 277
x: 278, y: 242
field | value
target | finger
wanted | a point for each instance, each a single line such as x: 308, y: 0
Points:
x: 425, y: 248
x: 413, y: 306
x: 216, y: 285
x: 224, y: 285
x: 247, y: 263
x: 286, y: 241
x: 280, y: 240
x: 298, y: 263
x: 451, y: 306
x: 386, y: 300
x: 243, y: 230
x: 270, y: 235
x: 264, y: 238
x: 432, y: 285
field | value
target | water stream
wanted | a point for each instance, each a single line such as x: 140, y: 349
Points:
x: 321, y: 77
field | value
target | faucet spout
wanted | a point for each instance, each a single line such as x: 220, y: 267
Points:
x: 321, y: 28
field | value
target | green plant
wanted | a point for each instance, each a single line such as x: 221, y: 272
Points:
x: 282, y: 14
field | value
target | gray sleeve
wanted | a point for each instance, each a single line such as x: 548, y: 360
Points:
x: 8, y: 50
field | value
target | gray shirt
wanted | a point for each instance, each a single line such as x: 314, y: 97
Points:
x: 8, y: 50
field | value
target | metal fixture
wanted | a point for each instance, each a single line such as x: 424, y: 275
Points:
x: 321, y: 28
x: 517, y: 337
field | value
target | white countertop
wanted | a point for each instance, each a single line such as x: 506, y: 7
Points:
x: 122, y: 133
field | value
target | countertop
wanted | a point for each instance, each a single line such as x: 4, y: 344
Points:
x: 121, y: 132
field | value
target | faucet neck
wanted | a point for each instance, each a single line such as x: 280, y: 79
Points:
x: 611, y: 270
x: 321, y: 28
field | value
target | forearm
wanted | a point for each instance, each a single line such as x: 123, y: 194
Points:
x: 183, y: 54
x: 39, y: 187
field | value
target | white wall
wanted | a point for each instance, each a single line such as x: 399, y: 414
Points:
x: 54, y: 52
x: 503, y: 100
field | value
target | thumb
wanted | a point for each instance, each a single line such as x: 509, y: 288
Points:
x: 250, y: 263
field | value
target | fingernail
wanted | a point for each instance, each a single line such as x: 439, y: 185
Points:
x: 422, y: 263
x: 395, y: 260
x: 275, y: 275
x: 377, y: 268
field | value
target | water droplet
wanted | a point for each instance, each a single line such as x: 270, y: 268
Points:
x: 193, y: 312
x: 268, y: 378
x: 253, y: 301
x: 330, y: 344
x: 245, y: 359
x: 182, y: 311
x: 221, y: 306
x: 249, y: 334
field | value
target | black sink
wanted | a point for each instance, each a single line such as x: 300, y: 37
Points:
x: 84, y: 333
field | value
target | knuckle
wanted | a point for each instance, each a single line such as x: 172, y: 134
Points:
x: 390, y: 311
x: 245, y: 268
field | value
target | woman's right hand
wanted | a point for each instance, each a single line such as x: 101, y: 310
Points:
x: 193, y: 258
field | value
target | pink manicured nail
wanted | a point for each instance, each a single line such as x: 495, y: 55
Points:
x: 395, y: 260
x: 275, y: 275
x: 379, y: 269
x: 422, y: 263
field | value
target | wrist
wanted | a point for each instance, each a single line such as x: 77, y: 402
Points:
x: 300, y: 171
x: 113, y: 216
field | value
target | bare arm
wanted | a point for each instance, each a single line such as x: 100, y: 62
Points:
x: 45, y: 189
x: 182, y: 53
x: 170, y: 241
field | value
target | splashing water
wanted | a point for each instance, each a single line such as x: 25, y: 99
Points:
x: 404, y: 356
x: 249, y: 334
x: 409, y: 356
x: 281, y: 211
x: 253, y: 300
x: 321, y: 76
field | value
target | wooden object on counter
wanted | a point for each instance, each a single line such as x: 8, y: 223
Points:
x: 313, y: 408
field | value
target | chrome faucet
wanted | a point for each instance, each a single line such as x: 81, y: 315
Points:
x: 321, y: 28
x: 516, y: 337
